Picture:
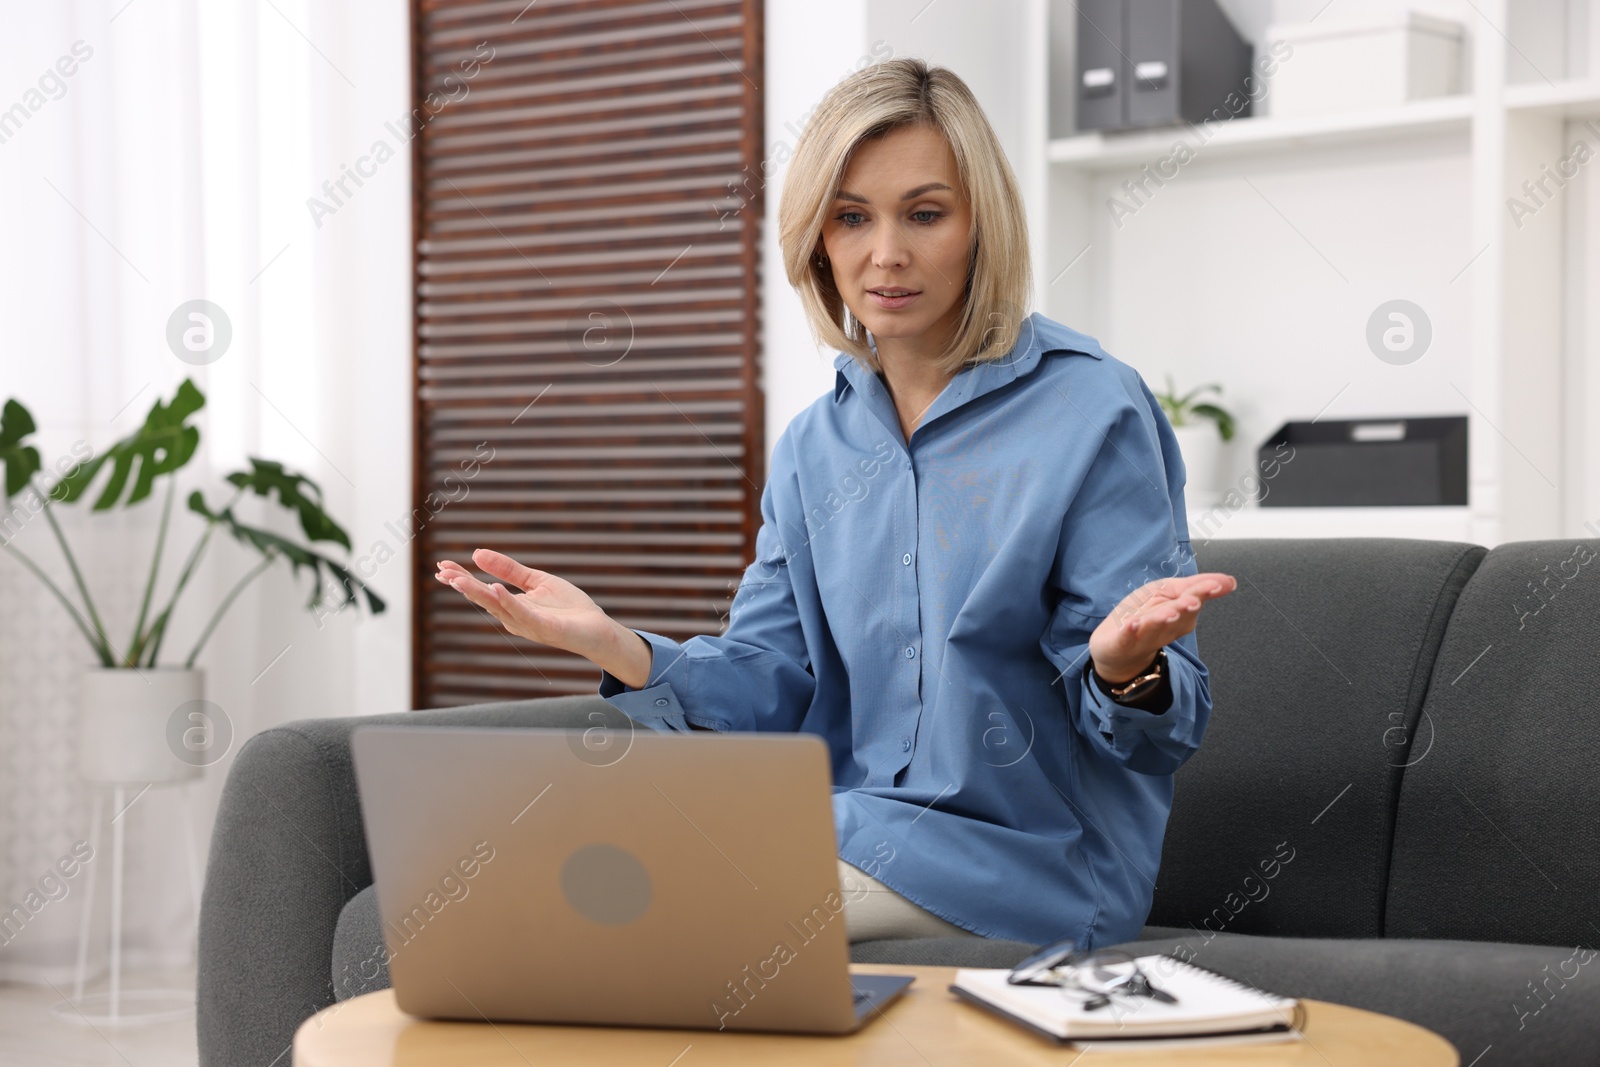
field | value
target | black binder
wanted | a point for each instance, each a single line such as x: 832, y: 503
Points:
x: 1157, y: 63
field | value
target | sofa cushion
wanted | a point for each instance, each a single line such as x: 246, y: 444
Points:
x: 1498, y: 831
x: 1478, y: 996
x: 1319, y: 661
x: 941, y: 952
x: 360, y: 958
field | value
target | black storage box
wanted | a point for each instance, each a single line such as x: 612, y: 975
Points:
x: 1367, y: 462
x: 1157, y: 63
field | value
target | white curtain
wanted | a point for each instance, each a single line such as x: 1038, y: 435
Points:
x: 154, y: 152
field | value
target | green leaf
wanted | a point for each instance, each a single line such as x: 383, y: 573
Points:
x: 1196, y: 391
x: 1223, y: 420
x: 161, y: 446
x: 267, y: 477
x: 265, y: 541
x: 1169, y: 403
x: 21, y: 461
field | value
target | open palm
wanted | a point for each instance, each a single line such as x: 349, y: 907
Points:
x: 550, y: 609
x: 1150, y: 617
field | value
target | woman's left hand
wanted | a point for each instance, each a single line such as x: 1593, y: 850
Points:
x: 1149, y: 618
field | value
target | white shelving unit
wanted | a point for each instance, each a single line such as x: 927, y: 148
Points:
x: 1574, y: 98
x: 1259, y: 262
x: 1117, y: 151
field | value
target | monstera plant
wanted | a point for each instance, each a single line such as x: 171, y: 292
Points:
x: 159, y: 449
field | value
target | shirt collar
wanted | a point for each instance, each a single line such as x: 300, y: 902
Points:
x: 1039, y: 336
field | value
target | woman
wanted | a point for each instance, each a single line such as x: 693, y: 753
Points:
x: 973, y: 577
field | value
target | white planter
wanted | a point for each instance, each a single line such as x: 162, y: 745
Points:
x: 130, y: 728
x: 1202, y: 449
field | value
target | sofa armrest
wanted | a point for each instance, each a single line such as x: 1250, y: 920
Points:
x: 287, y: 851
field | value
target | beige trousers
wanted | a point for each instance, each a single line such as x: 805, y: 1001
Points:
x: 873, y: 911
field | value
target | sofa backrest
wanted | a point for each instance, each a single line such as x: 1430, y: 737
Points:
x: 1281, y: 823
x: 1497, y: 836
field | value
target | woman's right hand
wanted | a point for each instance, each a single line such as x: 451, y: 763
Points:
x: 550, y: 609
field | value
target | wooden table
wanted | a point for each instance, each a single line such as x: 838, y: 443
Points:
x: 927, y: 1027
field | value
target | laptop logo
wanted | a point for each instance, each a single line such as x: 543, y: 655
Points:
x: 606, y: 884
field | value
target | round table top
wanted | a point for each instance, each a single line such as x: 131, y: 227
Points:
x: 926, y: 1027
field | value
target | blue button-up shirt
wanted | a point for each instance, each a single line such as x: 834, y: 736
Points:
x: 925, y: 607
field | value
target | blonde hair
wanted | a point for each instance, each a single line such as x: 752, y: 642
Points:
x: 868, y: 104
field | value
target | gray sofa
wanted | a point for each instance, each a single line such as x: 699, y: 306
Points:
x: 1394, y: 808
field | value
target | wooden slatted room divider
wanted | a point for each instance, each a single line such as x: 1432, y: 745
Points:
x: 587, y: 210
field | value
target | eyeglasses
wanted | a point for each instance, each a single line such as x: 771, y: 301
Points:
x: 1092, y: 978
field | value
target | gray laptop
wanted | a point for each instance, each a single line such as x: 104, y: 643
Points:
x: 645, y: 879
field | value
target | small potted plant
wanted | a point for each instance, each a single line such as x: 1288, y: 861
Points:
x: 128, y: 700
x: 1202, y: 428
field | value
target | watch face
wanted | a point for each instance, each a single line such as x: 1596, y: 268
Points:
x: 1145, y: 682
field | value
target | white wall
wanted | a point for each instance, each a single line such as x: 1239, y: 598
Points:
x: 1581, y: 365
x: 1260, y: 274
x: 809, y: 48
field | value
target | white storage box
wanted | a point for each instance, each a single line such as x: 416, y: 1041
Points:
x: 1352, y: 66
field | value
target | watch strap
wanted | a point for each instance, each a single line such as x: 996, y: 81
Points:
x: 1141, y: 685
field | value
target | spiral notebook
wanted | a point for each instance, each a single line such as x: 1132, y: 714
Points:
x: 1211, y: 1009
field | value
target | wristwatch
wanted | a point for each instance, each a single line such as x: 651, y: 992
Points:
x: 1140, y: 685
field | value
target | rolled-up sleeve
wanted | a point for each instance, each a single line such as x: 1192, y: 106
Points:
x: 1126, y: 527
x: 757, y: 674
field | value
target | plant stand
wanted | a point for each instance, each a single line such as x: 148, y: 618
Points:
x: 97, y: 1009
x: 126, y: 719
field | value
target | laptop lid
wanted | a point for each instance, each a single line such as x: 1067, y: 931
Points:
x: 673, y: 880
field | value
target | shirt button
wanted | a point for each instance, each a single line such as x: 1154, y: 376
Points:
x: 906, y: 559
x: 661, y: 702
x: 910, y: 652
x: 905, y: 744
